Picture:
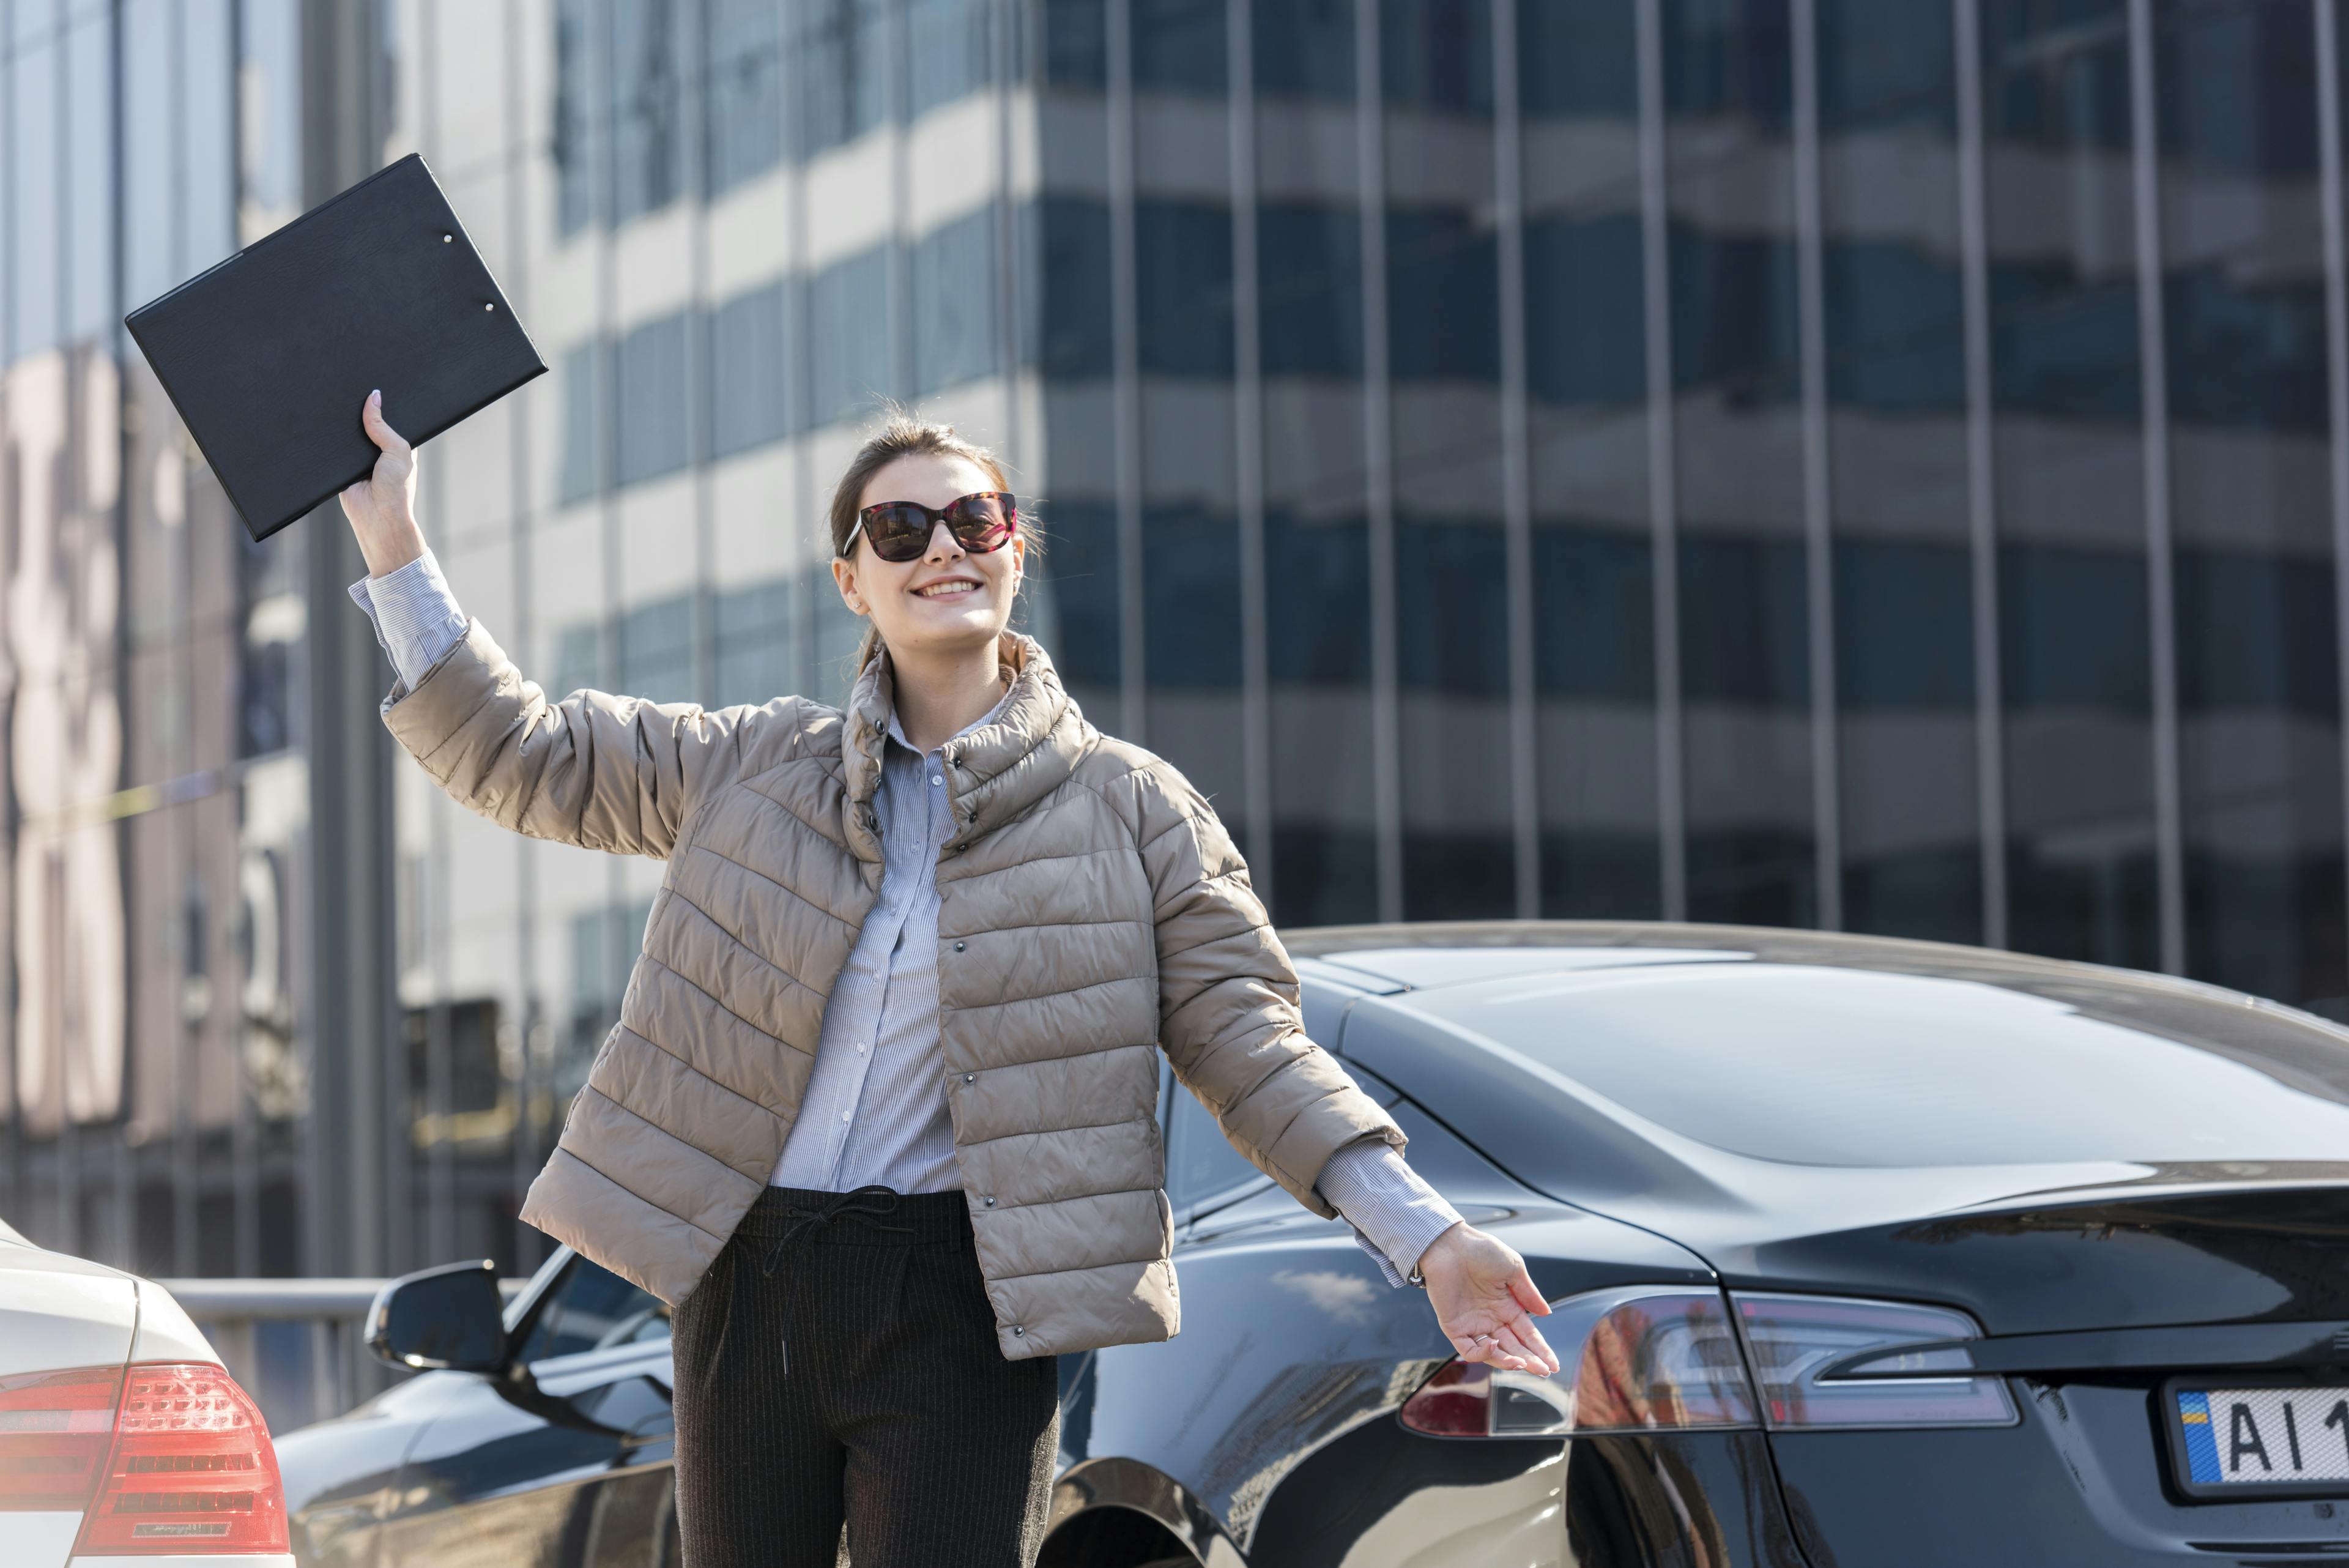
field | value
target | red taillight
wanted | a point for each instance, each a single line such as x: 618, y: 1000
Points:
x: 191, y: 1470
x: 54, y: 1430
x: 1642, y: 1358
x: 1637, y: 1359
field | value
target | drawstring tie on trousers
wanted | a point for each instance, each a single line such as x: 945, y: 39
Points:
x: 874, y: 1199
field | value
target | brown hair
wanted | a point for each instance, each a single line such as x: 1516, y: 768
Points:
x: 902, y: 435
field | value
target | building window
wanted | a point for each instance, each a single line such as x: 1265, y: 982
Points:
x: 1183, y: 283
x: 950, y: 51
x: 582, y: 460
x: 656, y: 650
x: 1064, y: 246
x: 848, y: 327
x: 954, y: 303
x: 648, y: 132
x: 1178, y: 47
x: 749, y: 369
x: 844, y: 60
x: 649, y: 378
x: 574, y: 191
x: 1310, y: 289
x: 1305, y: 48
x: 743, y: 97
x: 754, y: 641
x: 1076, y: 45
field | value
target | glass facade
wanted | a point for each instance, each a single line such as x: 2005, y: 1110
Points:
x: 1867, y: 463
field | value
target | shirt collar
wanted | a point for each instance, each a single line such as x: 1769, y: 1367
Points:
x: 1009, y: 675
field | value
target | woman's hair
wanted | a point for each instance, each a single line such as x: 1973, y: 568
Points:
x: 902, y: 435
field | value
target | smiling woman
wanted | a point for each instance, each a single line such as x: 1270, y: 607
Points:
x: 878, y: 1119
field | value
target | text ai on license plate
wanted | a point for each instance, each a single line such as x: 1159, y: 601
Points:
x: 2290, y: 1436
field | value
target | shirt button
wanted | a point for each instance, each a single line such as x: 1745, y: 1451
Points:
x: 860, y: 1044
x: 937, y: 780
x: 843, y: 1116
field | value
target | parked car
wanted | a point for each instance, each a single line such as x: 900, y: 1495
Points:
x: 1860, y: 1251
x: 121, y: 1435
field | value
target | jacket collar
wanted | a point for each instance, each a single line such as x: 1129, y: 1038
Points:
x: 994, y: 772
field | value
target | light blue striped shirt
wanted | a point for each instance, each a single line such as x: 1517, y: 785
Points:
x: 876, y: 1108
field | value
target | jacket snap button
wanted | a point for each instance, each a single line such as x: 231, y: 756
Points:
x: 990, y: 1203
x: 1019, y: 1332
x: 957, y: 947
x: 966, y: 1078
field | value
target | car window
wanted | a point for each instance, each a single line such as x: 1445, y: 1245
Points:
x: 592, y: 1308
x: 1201, y: 1162
x: 1814, y: 1065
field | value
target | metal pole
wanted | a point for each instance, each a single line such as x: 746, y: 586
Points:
x: 1981, y: 474
x: 1126, y: 333
x: 2330, y: 196
x: 1663, y: 502
x: 1248, y: 448
x: 1818, y: 538
x: 1378, y: 415
x: 2154, y: 369
x: 1516, y: 480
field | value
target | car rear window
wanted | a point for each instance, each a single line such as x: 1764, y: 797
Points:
x: 1854, y: 1067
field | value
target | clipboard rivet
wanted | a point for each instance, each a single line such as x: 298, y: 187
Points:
x: 448, y: 239
x: 490, y: 305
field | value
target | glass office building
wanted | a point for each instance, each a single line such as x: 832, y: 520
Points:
x: 1876, y: 464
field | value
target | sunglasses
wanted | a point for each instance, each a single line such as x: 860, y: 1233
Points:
x: 900, y: 530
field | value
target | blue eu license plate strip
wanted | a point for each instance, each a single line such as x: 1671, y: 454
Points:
x: 2254, y: 1438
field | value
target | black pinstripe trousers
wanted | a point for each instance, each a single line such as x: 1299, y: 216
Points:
x: 838, y: 1365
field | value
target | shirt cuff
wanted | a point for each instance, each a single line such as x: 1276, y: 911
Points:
x: 415, y: 616
x: 1394, y: 1214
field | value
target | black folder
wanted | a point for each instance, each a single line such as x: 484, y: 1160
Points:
x: 269, y: 354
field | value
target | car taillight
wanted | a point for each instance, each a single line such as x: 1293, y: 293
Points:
x: 1645, y: 1358
x: 54, y: 1430
x: 1634, y: 1359
x: 191, y: 1470
x: 1794, y: 1340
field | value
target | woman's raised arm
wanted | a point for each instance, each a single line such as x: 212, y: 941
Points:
x: 594, y: 770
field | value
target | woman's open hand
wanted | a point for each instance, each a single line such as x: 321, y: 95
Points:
x: 382, y: 506
x: 1485, y: 1301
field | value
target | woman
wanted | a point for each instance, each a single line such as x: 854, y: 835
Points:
x: 878, y: 1116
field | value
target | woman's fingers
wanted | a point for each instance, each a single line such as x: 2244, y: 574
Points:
x: 378, y: 429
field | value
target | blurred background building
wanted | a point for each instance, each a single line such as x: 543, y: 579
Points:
x: 1867, y: 463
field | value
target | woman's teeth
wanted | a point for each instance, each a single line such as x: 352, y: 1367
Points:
x: 940, y: 590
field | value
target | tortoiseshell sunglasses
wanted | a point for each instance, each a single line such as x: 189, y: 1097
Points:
x: 900, y: 530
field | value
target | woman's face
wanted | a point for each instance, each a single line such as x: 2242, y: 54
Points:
x: 946, y: 598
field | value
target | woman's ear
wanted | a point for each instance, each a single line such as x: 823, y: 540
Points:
x: 843, y: 574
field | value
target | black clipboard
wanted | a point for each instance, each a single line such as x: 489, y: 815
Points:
x: 269, y: 354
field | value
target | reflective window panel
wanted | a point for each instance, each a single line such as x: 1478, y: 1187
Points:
x: 2250, y: 502
x: 1587, y: 414
x: 1738, y: 466
x: 2075, y: 636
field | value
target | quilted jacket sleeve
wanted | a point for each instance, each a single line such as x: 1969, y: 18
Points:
x: 602, y: 772
x: 1229, y: 1019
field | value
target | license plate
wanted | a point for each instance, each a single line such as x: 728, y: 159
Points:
x: 2236, y: 1439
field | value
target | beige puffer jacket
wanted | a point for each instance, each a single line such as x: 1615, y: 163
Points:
x: 1092, y: 910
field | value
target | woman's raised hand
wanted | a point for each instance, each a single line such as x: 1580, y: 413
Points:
x: 1485, y: 1301
x: 382, y: 506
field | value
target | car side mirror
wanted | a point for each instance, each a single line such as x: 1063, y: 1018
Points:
x: 448, y: 1317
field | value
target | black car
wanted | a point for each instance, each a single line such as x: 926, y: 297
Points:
x: 1860, y: 1251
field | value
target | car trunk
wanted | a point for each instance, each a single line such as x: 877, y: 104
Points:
x: 57, y: 1315
x: 2099, y: 1309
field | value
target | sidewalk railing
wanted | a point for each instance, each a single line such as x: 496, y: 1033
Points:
x: 295, y: 1345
